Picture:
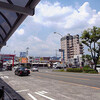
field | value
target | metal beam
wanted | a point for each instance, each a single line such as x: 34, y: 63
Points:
x: 15, y: 8
x: 10, y: 1
x: 2, y: 44
x: 3, y: 30
x: 5, y: 19
x: 34, y: 3
x: 1, y: 37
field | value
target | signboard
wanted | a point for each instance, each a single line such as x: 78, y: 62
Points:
x: 23, y: 54
x: 24, y: 60
x: 61, y: 50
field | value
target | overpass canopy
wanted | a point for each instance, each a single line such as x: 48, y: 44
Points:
x: 12, y: 14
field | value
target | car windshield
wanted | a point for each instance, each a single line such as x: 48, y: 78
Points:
x: 23, y: 68
x: 34, y: 67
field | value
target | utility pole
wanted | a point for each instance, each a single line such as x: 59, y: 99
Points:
x: 27, y: 51
x: 56, y: 53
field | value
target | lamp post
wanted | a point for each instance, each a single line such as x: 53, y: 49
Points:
x: 60, y: 50
x: 58, y: 34
x: 27, y: 51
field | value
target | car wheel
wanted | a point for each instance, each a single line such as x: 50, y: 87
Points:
x: 18, y: 74
x: 27, y: 74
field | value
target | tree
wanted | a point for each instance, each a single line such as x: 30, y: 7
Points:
x: 87, y: 57
x: 90, y: 38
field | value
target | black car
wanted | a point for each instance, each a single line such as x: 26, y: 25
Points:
x: 22, y: 71
x: 8, y: 68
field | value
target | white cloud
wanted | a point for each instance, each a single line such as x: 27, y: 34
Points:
x: 20, y: 31
x: 37, y: 31
x: 66, y: 17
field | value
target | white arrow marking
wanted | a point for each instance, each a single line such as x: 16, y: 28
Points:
x: 41, y: 94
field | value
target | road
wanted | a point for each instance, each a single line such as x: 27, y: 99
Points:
x: 48, y: 85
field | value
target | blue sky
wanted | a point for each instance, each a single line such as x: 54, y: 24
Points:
x: 62, y: 16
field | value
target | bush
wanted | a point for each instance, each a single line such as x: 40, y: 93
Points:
x: 74, y: 70
x: 86, y: 70
x: 93, y: 72
x: 59, y: 70
x: 86, y: 66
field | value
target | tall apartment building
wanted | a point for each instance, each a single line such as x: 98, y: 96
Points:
x: 73, y: 49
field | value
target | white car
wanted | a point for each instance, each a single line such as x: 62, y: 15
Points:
x: 15, y: 67
x: 34, y: 69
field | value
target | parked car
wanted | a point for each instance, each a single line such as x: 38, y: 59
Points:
x: 8, y: 68
x: 15, y: 67
x: 58, y: 65
x: 35, y: 68
x: 22, y: 71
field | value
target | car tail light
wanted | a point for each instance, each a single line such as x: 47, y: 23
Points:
x: 20, y: 72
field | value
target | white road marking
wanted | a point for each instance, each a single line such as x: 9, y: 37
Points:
x: 23, y: 90
x: 66, y: 96
x: 4, y: 77
x: 41, y: 94
x: 32, y: 96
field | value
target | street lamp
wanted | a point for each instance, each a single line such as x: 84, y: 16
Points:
x: 58, y: 34
x: 60, y: 50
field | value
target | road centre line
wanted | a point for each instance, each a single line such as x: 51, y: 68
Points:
x: 66, y: 76
x: 76, y: 74
x: 41, y: 94
x: 73, y: 83
x: 31, y: 96
x: 23, y: 90
x: 80, y: 85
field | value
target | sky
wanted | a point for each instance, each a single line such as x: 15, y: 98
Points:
x: 61, y: 16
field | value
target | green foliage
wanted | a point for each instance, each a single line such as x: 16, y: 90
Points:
x: 93, y: 72
x: 90, y: 38
x: 86, y: 66
x: 74, y: 70
x: 59, y: 70
x: 87, y: 70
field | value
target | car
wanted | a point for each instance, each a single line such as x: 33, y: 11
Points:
x: 15, y: 67
x: 35, y: 68
x: 22, y: 71
x: 8, y: 68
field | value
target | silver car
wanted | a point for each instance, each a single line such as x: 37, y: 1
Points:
x: 34, y: 69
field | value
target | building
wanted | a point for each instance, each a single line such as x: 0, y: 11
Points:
x: 72, y: 49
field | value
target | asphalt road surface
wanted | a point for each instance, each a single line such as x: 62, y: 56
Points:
x: 48, y: 85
